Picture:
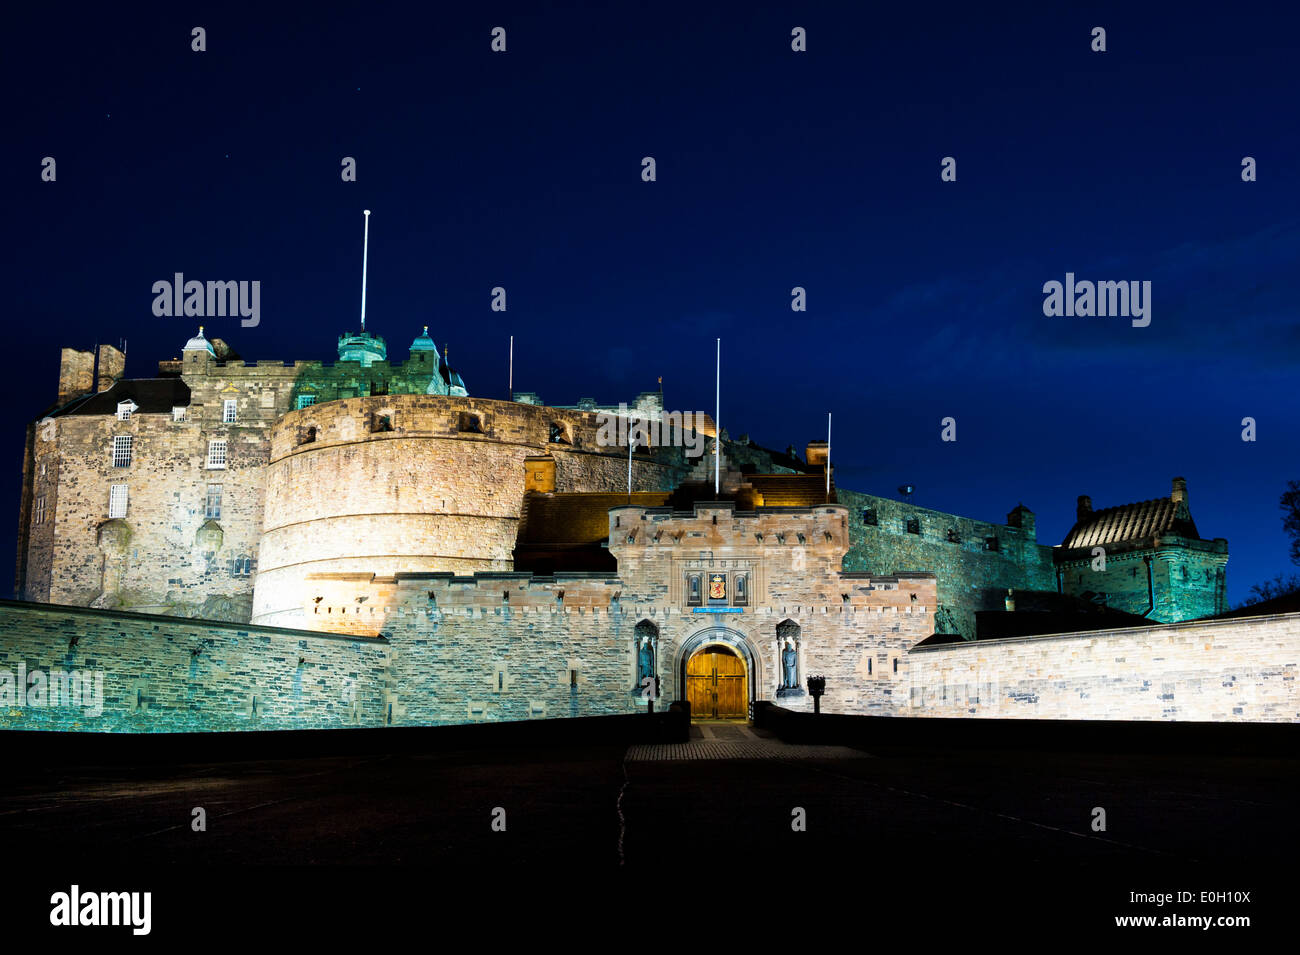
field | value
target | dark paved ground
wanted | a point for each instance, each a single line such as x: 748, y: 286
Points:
x: 947, y: 844
x: 577, y: 805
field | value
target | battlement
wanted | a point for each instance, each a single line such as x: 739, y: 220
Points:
x: 348, y: 420
x: 370, y: 605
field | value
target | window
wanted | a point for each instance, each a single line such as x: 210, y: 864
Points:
x: 991, y: 543
x: 212, y: 508
x: 914, y: 525
x: 38, y: 514
x: 117, y: 501
x: 229, y: 411
x: 740, y: 597
x: 124, y: 409
x: 307, y: 435
x: 122, y: 451
x: 306, y: 401
x: 953, y: 536
x: 469, y: 423
x: 381, y: 423
x: 559, y: 435
x: 178, y: 412
x: 870, y: 518
x: 241, y: 566
x: 693, y: 590
x: 217, y: 454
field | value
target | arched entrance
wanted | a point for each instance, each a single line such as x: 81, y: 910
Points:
x: 717, y: 684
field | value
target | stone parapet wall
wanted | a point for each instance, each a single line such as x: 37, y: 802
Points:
x: 167, y: 674
x: 1216, y: 670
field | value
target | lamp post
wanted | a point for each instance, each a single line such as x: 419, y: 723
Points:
x: 816, y: 687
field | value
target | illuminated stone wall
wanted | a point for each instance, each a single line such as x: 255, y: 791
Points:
x: 1188, y: 576
x: 167, y: 674
x: 971, y: 576
x: 414, y: 483
x: 1219, y: 670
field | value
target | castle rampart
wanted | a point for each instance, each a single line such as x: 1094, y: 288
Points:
x: 417, y: 483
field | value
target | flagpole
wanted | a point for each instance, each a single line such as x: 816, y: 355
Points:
x: 717, y: 428
x: 828, y: 457
x: 510, y: 388
x: 365, y: 255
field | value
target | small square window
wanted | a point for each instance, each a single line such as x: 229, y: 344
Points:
x: 991, y: 544
x: 914, y: 525
x: 117, y: 501
x: 217, y: 454
x: 870, y: 518
x: 306, y: 401
x: 229, y: 411
x: 124, y: 409
x: 122, y: 451
x: 178, y: 413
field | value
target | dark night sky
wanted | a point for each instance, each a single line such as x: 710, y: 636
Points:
x: 775, y: 169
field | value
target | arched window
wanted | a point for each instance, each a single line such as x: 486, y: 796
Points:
x: 741, y: 595
x: 693, y: 592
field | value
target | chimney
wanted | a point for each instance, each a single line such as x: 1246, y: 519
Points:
x: 76, y: 374
x: 815, y: 453
x: 1084, y: 508
x: 1179, y: 494
x: 112, y: 363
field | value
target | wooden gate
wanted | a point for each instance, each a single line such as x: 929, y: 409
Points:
x: 716, y: 685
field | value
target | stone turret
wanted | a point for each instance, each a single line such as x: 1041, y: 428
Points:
x: 365, y: 348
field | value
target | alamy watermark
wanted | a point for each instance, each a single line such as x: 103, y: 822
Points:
x: 1124, y: 299
x: 194, y: 299
x: 679, y: 429
x: 57, y: 688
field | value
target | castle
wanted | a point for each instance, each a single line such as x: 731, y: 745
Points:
x: 366, y: 543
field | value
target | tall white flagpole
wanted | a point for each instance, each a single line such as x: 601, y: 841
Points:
x: 365, y: 255
x: 629, y: 459
x: 717, y: 428
x: 510, y: 393
x: 828, y: 456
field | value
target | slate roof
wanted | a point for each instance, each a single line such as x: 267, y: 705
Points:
x: 1131, y: 524
x: 1285, y: 603
x: 151, y: 395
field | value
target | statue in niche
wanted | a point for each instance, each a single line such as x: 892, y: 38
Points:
x: 789, y: 659
x: 645, y: 661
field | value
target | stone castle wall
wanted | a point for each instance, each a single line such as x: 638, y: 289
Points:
x: 1221, y: 670
x: 1188, y: 578
x: 415, y: 483
x: 167, y: 674
x: 971, y: 576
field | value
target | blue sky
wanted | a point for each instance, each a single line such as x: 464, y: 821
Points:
x: 775, y: 169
